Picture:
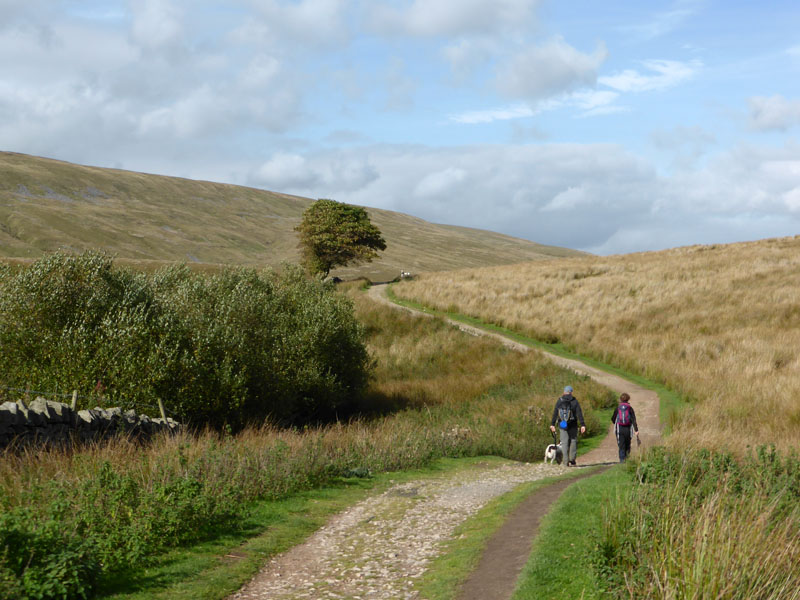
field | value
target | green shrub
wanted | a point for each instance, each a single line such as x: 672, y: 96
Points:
x: 226, y: 349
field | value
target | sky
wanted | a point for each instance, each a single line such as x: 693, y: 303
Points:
x: 611, y: 127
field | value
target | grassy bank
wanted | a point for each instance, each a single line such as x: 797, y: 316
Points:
x: 704, y: 525
x: 561, y: 561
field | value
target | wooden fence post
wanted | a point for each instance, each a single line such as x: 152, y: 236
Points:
x: 25, y: 400
x: 161, y: 408
x: 74, y: 404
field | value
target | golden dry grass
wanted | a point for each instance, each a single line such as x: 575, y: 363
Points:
x: 720, y: 323
x: 146, y: 220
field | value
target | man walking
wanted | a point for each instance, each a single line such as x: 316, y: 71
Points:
x: 567, y: 413
x: 624, y: 419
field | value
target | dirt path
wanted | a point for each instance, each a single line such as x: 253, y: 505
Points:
x: 644, y: 401
x: 378, y: 548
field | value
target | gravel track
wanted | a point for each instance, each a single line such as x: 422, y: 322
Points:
x: 377, y: 549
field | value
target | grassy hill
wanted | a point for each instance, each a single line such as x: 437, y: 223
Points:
x: 719, y: 323
x: 47, y: 204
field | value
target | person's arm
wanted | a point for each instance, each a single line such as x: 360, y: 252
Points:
x: 614, y: 415
x: 633, y: 421
x: 579, y: 414
x: 555, y: 416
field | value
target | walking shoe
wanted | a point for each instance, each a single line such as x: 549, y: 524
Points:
x: 572, y: 463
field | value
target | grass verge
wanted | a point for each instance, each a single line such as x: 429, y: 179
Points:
x: 560, y: 564
x: 460, y: 556
x: 214, y: 569
x: 670, y: 402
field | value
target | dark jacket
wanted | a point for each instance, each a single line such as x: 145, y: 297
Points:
x: 577, y: 413
x: 633, y: 418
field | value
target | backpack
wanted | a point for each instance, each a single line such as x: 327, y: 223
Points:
x: 624, y: 415
x: 564, y: 415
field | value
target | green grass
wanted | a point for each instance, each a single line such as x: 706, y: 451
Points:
x: 460, y: 556
x: 216, y: 568
x: 560, y: 562
x: 670, y: 402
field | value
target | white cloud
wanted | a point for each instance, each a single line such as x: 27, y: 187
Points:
x: 666, y: 21
x: 792, y: 199
x: 590, y: 99
x: 663, y: 74
x: 471, y: 117
x: 568, y: 199
x: 449, y: 18
x: 336, y: 174
x: 773, y: 113
x: 549, y: 70
x: 286, y: 171
x: 440, y: 182
x: 591, y: 196
x: 157, y: 24
x: 301, y: 24
x: 467, y: 54
x: 591, y: 102
x: 685, y: 144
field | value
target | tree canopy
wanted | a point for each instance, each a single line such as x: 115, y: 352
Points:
x: 335, y: 234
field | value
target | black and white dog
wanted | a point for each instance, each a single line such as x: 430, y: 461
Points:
x: 553, y: 453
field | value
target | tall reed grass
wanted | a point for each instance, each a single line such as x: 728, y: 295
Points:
x: 704, y: 526
x: 69, y: 518
x: 720, y: 324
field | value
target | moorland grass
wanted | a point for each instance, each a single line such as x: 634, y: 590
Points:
x: 72, y: 519
x: 704, y: 525
x: 670, y: 402
x: 698, y: 524
x: 719, y: 325
x: 48, y: 204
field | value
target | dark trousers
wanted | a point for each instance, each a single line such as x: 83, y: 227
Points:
x: 624, y: 442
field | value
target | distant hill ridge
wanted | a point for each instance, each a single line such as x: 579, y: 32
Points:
x: 47, y: 204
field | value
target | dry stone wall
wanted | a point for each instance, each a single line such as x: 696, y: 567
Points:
x: 47, y: 422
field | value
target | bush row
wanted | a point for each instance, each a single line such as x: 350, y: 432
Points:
x: 226, y: 349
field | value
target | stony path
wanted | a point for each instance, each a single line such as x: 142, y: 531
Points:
x: 377, y: 549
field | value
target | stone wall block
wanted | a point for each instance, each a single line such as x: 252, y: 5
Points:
x: 85, y: 419
x: 45, y: 413
x: 62, y: 412
x: 9, y: 414
x: 55, y: 423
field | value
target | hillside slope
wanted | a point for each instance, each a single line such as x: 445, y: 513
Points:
x: 47, y: 204
x: 719, y: 323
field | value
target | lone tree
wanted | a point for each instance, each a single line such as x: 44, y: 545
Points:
x: 334, y: 234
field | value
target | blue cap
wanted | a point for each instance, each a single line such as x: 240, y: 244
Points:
x: 568, y: 389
